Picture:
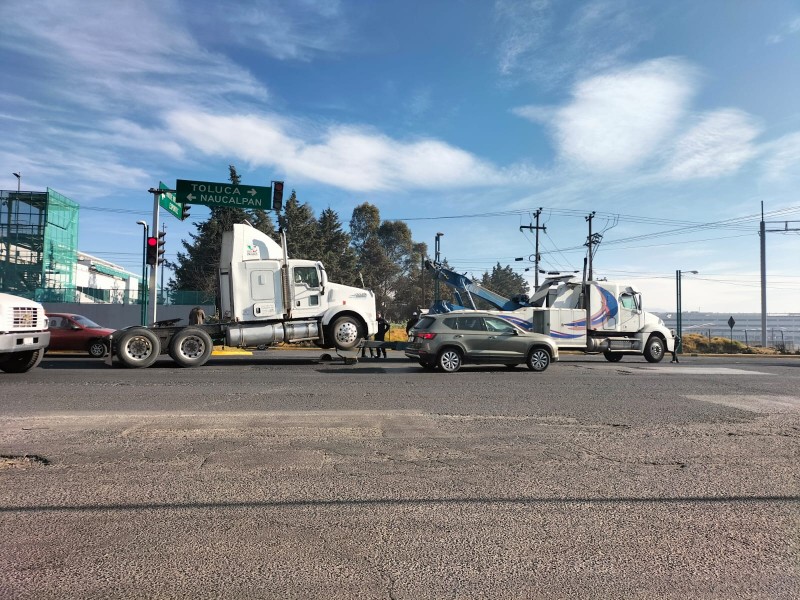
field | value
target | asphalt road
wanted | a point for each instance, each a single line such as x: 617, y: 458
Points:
x: 282, y: 476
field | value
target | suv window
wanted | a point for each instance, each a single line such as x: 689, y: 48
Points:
x: 450, y: 322
x: 498, y: 325
x: 471, y: 324
x: 425, y: 323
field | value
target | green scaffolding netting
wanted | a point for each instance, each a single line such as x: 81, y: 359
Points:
x: 38, y: 252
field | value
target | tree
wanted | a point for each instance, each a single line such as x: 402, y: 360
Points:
x: 504, y: 281
x: 385, y: 258
x: 301, y: 227
x: 335, y: 252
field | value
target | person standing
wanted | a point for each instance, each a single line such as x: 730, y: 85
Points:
x: 675, y: 350
x: 380, y: 336
x: 411, y: 322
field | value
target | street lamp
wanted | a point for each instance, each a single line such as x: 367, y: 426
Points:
x: 437, y: 247
x: 19, y: 180
x: 678, y: 328
x: 143, y: 287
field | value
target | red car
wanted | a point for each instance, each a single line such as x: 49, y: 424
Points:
x: 76, y: 332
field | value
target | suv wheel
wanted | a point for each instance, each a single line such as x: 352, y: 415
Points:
x: 538, y: 359
x: 450, y: 360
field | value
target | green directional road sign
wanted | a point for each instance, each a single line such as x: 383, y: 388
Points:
x: 167, y: 202
x: 223, y: 194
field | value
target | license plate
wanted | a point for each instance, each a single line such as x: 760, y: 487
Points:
x: 27, y: 341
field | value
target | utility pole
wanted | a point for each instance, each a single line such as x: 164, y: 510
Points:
x: 762, y: 232
x: 536, y: 256
x: 590, y: 241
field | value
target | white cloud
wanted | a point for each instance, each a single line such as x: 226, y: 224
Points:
x: 718, y: 145
x: 782, y: 157
x: 618, y: 119
x: 790, y: 28
x: 552, y: 41
x: 348, y: 157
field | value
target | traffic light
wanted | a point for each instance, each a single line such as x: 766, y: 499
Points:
x: 160, y: 247
x: 152, y: 251
x: 277, y: 195
x: 185, y: 211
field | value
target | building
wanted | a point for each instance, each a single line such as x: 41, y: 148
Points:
x: 39, y: 257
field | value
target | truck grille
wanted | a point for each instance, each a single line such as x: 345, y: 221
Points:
x: 25, y: 317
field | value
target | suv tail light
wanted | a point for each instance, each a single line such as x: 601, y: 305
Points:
x: 424, y: 335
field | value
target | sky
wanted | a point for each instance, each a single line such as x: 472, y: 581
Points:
x: 671, y: 122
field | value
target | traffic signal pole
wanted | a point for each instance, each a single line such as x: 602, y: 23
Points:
x: 152, y: 291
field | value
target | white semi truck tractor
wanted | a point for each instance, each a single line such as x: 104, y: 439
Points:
x: 265, y: 298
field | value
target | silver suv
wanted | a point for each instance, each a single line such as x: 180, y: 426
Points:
x: 449, y: 340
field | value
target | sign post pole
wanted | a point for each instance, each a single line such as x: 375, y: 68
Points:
x: 731, y: 323
x: 152, y: 291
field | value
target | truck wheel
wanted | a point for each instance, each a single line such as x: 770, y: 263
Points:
x: 538, y: 359
x: 22, y: 362
x: 612, y: 356
x: 138, y: 348
x: 654, y: 349
x: 450, y: 360
x: 346, y: 332
x: 97, y: 349
x: 191, y: 347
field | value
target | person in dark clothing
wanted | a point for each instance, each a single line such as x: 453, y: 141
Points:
x: 411, y: 322
x: 383, y: 328
x: 364, y: 350
x: 675, y: 350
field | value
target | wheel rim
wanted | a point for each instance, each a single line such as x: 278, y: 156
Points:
x: 192, y: 347
x: 656, y: 351
x: 97, y: 349
x: 346, y: 333
x: 138, y: 347
x: 450, y: 360
x: 539, y: 360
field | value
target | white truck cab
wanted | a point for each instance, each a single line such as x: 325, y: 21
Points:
x: 23, y: 334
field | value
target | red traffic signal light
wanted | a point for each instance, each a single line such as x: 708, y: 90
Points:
x: 152, y: 251
x: 277, y: 195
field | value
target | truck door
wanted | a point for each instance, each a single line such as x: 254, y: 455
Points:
x: 630, y: 313
x: 306, y: 299
x: 262, y: 292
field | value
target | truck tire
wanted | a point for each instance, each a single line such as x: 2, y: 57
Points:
x: 22, y: 362
x: 191, y: 347
x: 346, y: 332
x: 538, y: 359
x: 654, y: 349
x: 612, y: 356
x: 97, y: 349
x: 138, y: 348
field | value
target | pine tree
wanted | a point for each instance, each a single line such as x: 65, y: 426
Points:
x: 504, y: 281
x: 335, y: 251
x: 300, y: 226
